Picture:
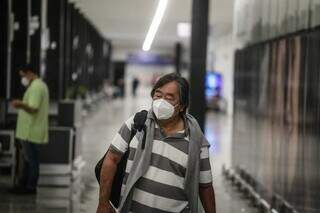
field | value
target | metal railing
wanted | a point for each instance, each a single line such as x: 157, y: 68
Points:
x: 248, y: 186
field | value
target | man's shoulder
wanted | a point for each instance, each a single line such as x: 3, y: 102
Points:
x: 39, y: 84
x: 191, y: 119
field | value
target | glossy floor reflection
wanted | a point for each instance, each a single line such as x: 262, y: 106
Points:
x: 99, y: 129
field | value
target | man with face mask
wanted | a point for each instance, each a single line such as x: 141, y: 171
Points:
x: 32, y: 127
x: 172, y: 170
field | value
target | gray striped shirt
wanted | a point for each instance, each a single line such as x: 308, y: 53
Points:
x: 162, y: 188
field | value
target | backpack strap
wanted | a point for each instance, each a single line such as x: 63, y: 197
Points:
x: 139, y: 120
x: 139, y: 125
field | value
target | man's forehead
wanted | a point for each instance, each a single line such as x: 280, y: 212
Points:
x: 170, y: 87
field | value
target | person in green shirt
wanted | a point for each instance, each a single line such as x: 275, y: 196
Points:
x: 32, y: 127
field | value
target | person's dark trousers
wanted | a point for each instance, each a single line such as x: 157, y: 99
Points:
x: 30, y: 173
x: 18, y: 164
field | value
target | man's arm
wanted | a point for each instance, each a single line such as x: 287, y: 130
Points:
x: 20, y: 105
x: 108, y: 170
x: 207, y: 197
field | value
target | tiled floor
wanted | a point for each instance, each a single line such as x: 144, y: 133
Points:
x: 99, y: 129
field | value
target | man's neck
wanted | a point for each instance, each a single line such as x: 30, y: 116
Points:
x: 34, y: 77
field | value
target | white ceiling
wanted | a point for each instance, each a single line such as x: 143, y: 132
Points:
x: 126, y: 22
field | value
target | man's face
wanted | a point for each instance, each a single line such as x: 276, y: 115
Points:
x: 25, y: 74
x: 170, y: 93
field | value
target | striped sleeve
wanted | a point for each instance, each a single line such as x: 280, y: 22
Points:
x: 205, y: 168
x: 121, y: 140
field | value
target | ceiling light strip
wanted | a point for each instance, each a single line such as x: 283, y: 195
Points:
x: 155, y: 24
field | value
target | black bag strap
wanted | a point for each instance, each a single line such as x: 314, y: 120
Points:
x: 139, y: 125
x: 139, y: 120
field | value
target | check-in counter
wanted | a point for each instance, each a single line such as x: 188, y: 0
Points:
x: 60, y: 168
x: 7, y: 153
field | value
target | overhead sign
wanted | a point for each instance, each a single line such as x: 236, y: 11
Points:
x: 146, y: 58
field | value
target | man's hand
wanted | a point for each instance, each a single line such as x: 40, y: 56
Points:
x: 105, y: 208
x: 17, y: 104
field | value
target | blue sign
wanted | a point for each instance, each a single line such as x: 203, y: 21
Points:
x: 213, y: 84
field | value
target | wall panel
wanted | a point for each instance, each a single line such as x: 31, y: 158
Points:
x: 311, y: 122
x: 303, y: 15
x: 276, y: 118
x: 315, y: 13
x: 258, y: 21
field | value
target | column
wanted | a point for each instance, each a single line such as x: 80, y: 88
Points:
x: 200, y: 12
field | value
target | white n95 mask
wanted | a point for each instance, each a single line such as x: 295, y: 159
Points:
x: 162, y: 109
x: 24, y: 81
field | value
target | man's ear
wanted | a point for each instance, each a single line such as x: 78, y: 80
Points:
x: 182, y: 108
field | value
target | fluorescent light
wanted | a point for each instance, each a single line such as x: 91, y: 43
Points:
x: 155, y: 25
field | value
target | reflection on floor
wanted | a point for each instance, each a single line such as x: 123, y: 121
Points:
x: 100, y: 127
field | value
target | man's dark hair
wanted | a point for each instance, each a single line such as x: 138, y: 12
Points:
x: 183, y: 86
x: 27, y: 68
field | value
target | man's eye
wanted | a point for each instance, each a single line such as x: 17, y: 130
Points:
x: 169, y: 98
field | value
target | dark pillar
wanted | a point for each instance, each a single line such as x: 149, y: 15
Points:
x: 200, y: 12
x: 110, y: 65
x: 35, y: 46
x: 108, y: 61
x: 55, y: 55
x: 20, y: 43
x: 178, y: 53
x: 119, y: 73
x: 4, y: 46
x: 67, y: 49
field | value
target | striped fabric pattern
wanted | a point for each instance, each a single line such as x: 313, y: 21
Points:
x: 161, y: 189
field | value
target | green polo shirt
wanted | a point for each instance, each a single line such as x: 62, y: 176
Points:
x: 34, y: 127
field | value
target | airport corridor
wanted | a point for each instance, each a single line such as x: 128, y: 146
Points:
x: 100, y: 125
